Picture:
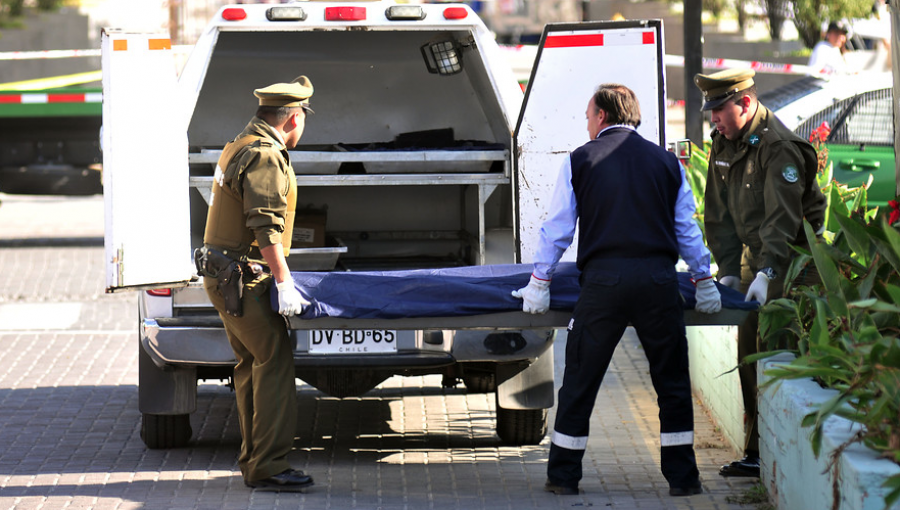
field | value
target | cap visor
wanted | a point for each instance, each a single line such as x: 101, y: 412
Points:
x: 715, y: 103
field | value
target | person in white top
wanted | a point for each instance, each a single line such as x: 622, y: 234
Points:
x: 827, y: 56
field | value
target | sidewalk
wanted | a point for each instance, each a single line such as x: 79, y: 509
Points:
x: 70, y: 420
x: 621, y: 468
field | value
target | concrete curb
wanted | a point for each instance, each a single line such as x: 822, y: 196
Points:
x: 794, y: 477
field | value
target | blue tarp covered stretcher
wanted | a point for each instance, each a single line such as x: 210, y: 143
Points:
x: 461, y: 292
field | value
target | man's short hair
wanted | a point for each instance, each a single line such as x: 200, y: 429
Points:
x: 620, y: 104
x: 749, y: 92
x: 276, y: 114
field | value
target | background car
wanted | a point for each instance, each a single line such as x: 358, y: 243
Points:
x: 858, y: 109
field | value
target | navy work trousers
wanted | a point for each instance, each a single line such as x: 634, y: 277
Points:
x: 614, y: 293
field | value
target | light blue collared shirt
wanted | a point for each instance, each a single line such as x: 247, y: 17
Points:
x: 558, y: 230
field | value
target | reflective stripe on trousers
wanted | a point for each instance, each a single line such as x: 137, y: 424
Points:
x: 614, y: 294
x: 569, y: 442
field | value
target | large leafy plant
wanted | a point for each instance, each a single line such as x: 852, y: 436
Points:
x: 845, y: 330
x: 695, y: 169
x: 845, y: 333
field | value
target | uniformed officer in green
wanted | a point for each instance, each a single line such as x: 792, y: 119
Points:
x: 250, y: 220
x: 761, y: 185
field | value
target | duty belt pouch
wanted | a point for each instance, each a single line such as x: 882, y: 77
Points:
x: 231, y: 285
x: 212, y: 263
x: 200, y: 262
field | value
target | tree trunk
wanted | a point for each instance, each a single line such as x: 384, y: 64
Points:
x: 741, y: 6
x: 775, y: 10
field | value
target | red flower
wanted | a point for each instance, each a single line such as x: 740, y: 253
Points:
x: 820, y: 134
x: 895, y: 213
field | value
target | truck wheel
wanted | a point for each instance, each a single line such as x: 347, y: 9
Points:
x: 480, y: 382
x: 162, y: 431
x: 521, y: 426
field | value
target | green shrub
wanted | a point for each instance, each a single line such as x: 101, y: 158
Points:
x: 845, y: 332
x: 48, y: 5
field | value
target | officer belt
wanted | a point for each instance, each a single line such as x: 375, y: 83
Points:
x: 247, y: 265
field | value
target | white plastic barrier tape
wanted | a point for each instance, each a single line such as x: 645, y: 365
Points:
x: 670, y: 60
x: 45, y: 54
x: 90, y: 97
x: 522, y: 56
x: 727, y: 63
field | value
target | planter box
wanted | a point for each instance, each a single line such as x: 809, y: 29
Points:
x: 712, y: 353
x: 793, y: 476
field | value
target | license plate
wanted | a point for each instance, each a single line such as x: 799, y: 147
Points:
x: 352, y: 341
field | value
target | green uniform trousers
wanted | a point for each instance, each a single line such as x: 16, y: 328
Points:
x: 749, y: 341
x: 264, y: 383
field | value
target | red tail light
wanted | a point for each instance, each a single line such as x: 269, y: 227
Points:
x: 455, y: 13
x: 234, y: 14
x: 345, y: 13
x: 160, y: 292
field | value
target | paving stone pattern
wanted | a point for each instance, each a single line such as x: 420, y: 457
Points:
x: 70, y: 428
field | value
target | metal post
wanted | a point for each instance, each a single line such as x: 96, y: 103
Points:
x: 693, y: 64
x: 895, y: 61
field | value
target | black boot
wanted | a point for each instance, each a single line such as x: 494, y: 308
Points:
x: 748, y: 466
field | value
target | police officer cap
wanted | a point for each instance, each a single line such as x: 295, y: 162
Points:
x: 719, y: 87
x: 295, y: 94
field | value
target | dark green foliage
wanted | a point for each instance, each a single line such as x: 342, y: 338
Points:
x: 846, y: 331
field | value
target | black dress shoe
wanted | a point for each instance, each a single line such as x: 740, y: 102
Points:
x: 748, y: 466
x: 686, y: 491
x: 291, y: 480
x: 560, y: 490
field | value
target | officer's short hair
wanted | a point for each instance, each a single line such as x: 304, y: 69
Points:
x: 750, y: 92
x: 620, y: 104
x: 276, y: 114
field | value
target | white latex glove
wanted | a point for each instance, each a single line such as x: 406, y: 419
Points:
x: 758, y: 289
x: 290, y: 301
x: 536, y: 296
x: 731, y: 281
x: 707, y: 295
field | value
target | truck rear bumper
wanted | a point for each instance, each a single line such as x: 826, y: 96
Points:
x: 201, y: 341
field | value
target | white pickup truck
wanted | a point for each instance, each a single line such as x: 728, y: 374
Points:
x: 421, y: 150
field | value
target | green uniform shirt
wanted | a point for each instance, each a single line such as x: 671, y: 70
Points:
x: 759, y: 188
x: 258, y: 189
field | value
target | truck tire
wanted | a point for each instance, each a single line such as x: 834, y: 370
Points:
x: 163, y: 431
x: 521, y: 427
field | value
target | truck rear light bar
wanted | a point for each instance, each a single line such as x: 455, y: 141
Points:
x: 404, y: 12
x: 345, y: 13
x: 455, y: 13
x: 286, y: 14
x: 234, y: 14
x: 160, y: 292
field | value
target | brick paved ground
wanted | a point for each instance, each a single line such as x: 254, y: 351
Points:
x: 69, y: 425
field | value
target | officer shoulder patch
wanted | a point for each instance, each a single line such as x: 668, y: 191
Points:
x: 790, y: 174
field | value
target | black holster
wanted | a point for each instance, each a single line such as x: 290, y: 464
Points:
x: 228, y: 273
